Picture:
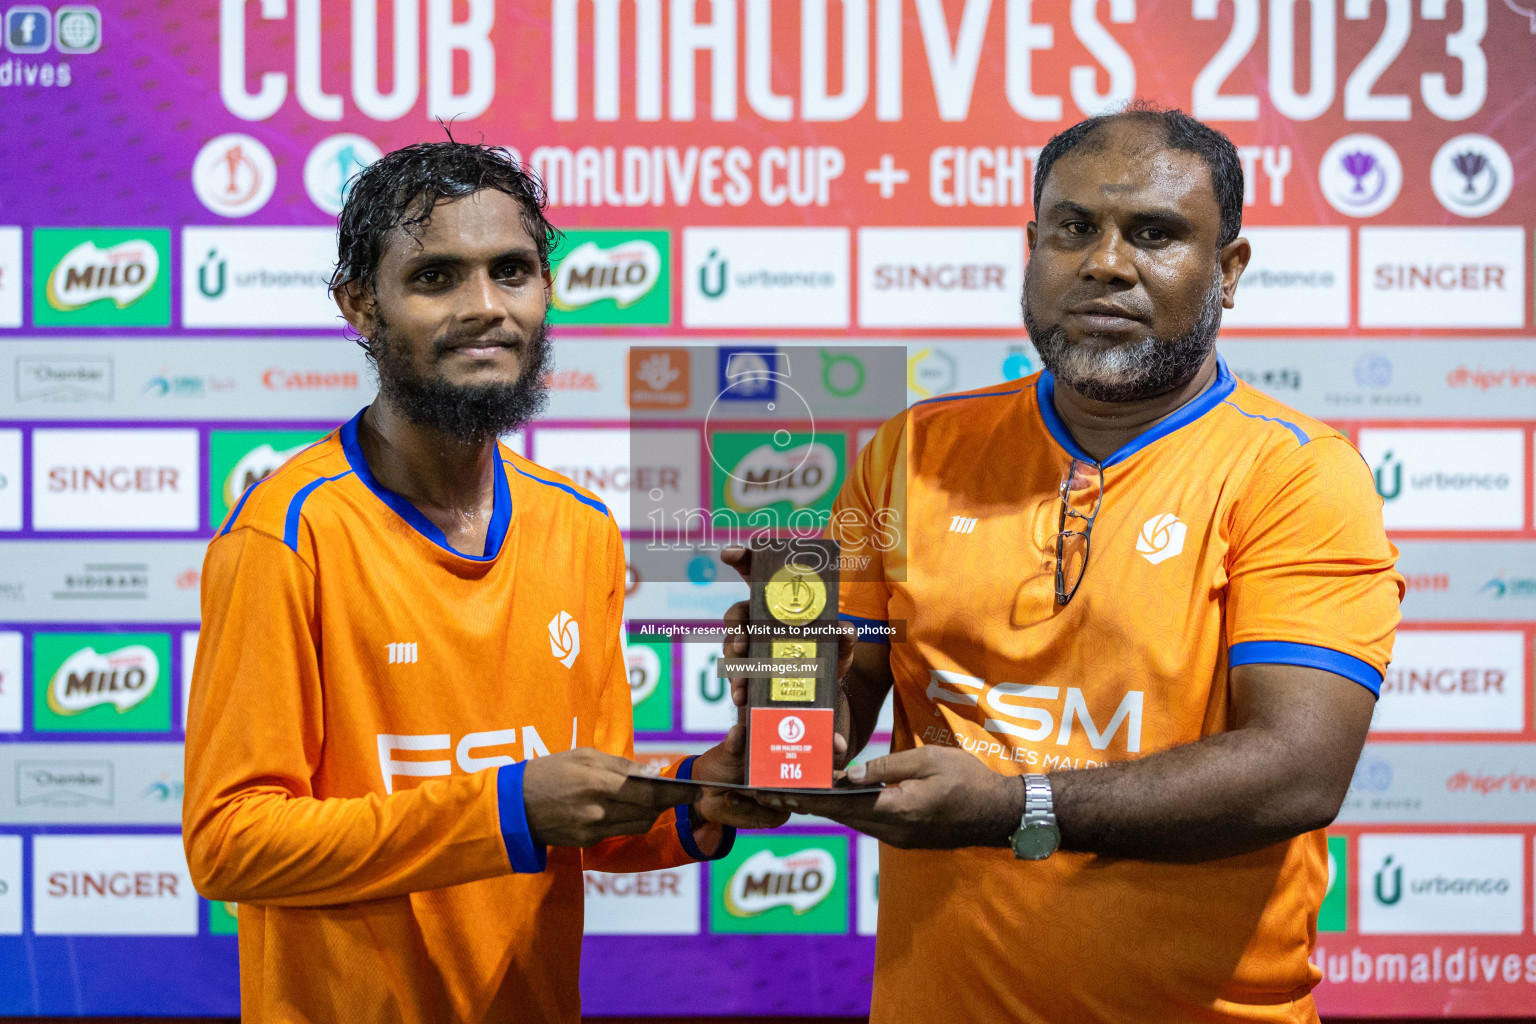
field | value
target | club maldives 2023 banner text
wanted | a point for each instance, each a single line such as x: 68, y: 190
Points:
x: 780, y: 182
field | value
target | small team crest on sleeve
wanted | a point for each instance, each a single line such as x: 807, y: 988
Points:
x: 564, y: 638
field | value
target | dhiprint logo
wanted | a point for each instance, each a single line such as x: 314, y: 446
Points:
x: 88, y: 679
x: 401, y: 653
x: 1162, y: 537
x: 1360, y: 175
x: 962, y: 524
x: 234, y: 175
x: 1472, y: 175
x: 564, y: 638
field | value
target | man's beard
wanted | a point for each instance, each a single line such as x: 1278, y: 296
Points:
x: 466, y: 413
x: 1129, y: 373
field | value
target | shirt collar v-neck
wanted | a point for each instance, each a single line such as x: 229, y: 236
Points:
x: 1204, y: 402
x: 501, y: 510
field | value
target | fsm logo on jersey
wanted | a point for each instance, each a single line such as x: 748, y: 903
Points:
x: 765, y: 277
x: 782, y: 885
x: 240, y: 459
x: 258, y: 277
x: 1454, y: 681
x: 101, y: 682
x: 1442, y: 884
x: 612, y: 277
x: 1471, y: 479
x: 101, y: 277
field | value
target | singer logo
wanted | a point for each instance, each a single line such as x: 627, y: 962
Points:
x: 800, y: 881
x: 123, y: 273
x: 1161, y: 538
x: 122, y: 678
x: 564, y: 638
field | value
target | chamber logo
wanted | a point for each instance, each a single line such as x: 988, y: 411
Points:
x: 800, y: 881
x: 64, y: 783
x: 564, y: 638
x: 123, y: 273
x: 1360, y: 175
x: 1162, y: 537
x: 1472, y: 175
x: 88, y: 679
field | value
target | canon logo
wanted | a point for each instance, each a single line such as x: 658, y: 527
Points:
x: 276, y: 379
x: 114, y: 479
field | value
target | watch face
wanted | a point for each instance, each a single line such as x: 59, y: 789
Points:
x: 1036, y: 842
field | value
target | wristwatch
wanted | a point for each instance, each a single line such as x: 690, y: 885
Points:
x: 1037, y: 836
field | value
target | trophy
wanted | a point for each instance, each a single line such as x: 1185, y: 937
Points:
x: 792, y: 624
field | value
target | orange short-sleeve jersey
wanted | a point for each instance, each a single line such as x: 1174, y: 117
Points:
x: 1235, y: 531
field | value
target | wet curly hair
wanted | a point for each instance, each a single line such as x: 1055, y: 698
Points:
x: 400, y: 190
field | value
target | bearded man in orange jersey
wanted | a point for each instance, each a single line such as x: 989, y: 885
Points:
x: 410, y: 722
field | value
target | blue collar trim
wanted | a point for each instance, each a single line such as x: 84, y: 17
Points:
x: 1210, y: 398
x: 501, y: 510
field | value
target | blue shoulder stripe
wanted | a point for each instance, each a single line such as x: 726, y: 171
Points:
x: 956, y: 398
x: 229, y: 524
x: 291, y: 524
x: 573, y: 492
x: 1301, y: 435
x: 1286, y: 652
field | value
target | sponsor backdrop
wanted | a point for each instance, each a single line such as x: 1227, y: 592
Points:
x: 762, y: 175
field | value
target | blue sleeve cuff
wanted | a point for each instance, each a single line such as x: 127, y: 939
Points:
x: 866, y: 632
x: 526, y: 858
x: 685, y: 823
x: 1284, y: 652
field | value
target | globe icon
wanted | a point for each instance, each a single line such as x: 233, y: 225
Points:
x: 77, y: 30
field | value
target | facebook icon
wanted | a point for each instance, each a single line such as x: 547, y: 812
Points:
x: 27, y: 29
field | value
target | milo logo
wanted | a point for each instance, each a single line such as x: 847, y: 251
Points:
x: 625, y: 273
x: 765, y: 880
x: 801, y: 475
x: 87, y: 679
x: 124, y: 273
x: 254, y: 466
x: 644, y: 665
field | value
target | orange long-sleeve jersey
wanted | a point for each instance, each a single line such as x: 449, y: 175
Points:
x: 364, y: 702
